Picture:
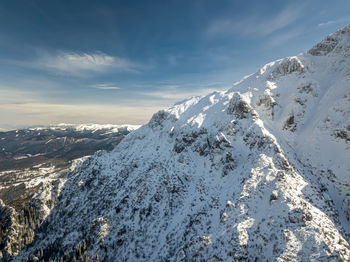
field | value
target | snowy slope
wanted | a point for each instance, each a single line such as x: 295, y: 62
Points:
x: 256, y: 173
x: 34, y: 163
x: 305, y: 102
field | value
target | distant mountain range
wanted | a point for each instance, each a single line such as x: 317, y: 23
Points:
x: 259, y: 172
x: 26, y: 147
x: 33, y: 162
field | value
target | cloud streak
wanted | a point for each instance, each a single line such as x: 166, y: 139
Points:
x: 106, y: 87
x: 331, y: 22
x: 72, y: 62
x: 80, y: 64
x: 255, y: 25
x: 280, y: 39
x: 334, y: 22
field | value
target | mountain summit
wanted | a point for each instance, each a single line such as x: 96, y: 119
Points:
x: 259, y: 172
x: 334, y: 44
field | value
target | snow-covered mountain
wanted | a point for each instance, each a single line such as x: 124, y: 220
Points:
x: 23, y: 148
x: 34, y: 163
x: 260, y: 172
x: 89, y: 127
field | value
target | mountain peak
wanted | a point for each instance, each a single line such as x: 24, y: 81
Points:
x: 334, y: 44
x: 257, y: 172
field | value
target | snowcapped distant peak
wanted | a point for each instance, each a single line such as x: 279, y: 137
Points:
x: 89, y: 127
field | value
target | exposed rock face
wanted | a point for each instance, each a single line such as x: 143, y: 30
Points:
x: 255, y: 173
x: 334, y: 44
x: 286, y: 67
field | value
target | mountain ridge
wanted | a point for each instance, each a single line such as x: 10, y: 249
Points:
x: 245, y: 174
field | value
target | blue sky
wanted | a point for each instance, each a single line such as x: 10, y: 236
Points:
x: 120, y: 61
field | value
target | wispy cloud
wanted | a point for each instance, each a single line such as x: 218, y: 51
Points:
x: 80, y: 64
x: 255, y: 25
x: 106, y: 87
x: 341, y: 20
x: 331, y: 22
x: 9, y: 95
x: 282, y: 38
x: 28, y: 90
x: 174, y: 60
x: 73, y: 62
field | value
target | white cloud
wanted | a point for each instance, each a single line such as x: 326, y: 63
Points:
x: 80, y: 64
x: 342, y: 20
x: 255, y: 25
x: 326, y: 23
x: 73, y: 63
x: 106, y: 87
